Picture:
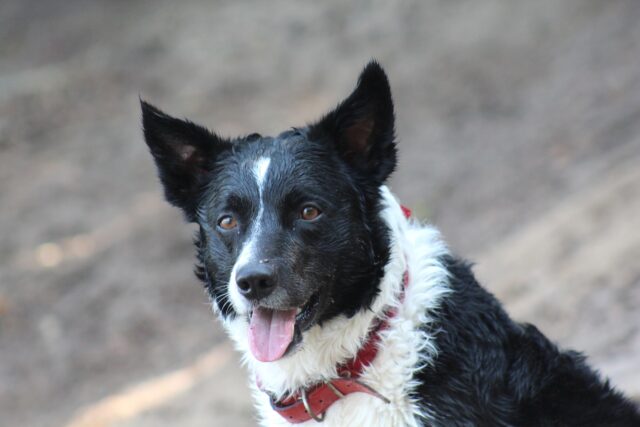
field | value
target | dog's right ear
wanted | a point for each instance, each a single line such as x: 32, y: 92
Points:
x: 184, y: 154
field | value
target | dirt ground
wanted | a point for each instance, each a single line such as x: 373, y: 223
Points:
x: 519, y: 133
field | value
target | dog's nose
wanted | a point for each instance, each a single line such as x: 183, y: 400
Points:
x: 255, y: 281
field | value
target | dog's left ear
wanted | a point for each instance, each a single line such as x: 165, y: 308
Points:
x: 362, y: 126
x: 184, y: 154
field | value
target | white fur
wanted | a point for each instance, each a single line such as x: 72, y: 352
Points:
x: 247, y: 254
x: 404, y: 346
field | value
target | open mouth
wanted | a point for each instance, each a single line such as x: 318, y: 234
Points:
x: 274, y: 333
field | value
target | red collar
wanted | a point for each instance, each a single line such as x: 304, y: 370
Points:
x: 313, y: 402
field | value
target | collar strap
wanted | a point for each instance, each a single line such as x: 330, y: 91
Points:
x: 406, y: 211
x: 312, y: 403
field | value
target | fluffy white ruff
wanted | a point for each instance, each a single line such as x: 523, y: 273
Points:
x: 404, y: 346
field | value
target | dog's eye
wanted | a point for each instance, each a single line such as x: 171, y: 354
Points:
x: 227, y: 222
x: 309, y: 213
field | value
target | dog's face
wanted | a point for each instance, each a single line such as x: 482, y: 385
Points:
x: 290, y: 234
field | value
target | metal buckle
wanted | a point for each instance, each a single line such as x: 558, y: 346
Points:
x: 373, y: 391
x: 334, y: 389
x: 312, y: 414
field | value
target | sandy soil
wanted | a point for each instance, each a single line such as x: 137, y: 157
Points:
x: 519, y: 129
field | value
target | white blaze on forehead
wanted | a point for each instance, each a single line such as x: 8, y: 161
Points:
x: 259, y: 169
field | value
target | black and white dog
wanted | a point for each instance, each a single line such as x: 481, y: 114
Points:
x: 345, y: 310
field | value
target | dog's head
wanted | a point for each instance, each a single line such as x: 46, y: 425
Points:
x: 290, y: 233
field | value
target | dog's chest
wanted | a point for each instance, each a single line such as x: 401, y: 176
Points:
x: 391, y: 375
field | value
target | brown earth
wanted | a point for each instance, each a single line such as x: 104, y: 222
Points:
x: 519, y: 132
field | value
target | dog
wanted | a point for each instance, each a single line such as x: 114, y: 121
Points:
x: 347, y: 311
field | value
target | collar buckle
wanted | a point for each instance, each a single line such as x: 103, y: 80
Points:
x: 307, y: 407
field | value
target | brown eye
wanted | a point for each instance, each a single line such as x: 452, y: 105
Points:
x: 309, y: 213
x: 227, y: 222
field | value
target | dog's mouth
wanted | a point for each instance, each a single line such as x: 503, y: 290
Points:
x: 273, y: 333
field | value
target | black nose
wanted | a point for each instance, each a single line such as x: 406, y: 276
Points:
x: 255, y: 281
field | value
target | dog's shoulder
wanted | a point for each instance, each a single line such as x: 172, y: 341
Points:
x: 490, y: 370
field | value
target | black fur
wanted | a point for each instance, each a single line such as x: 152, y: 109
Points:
x: 362, y: 127
x: 184, y: 153
x: 489, y: 371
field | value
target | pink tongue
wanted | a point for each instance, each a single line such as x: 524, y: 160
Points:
x: 270, y: 333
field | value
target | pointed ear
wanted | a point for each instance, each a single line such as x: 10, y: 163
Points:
x: 362, y: 126
x: 184, y: 154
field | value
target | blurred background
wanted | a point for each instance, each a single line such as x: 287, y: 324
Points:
x: 519, y: 133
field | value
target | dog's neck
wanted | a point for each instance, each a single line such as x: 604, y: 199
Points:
x: 338, y: 340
